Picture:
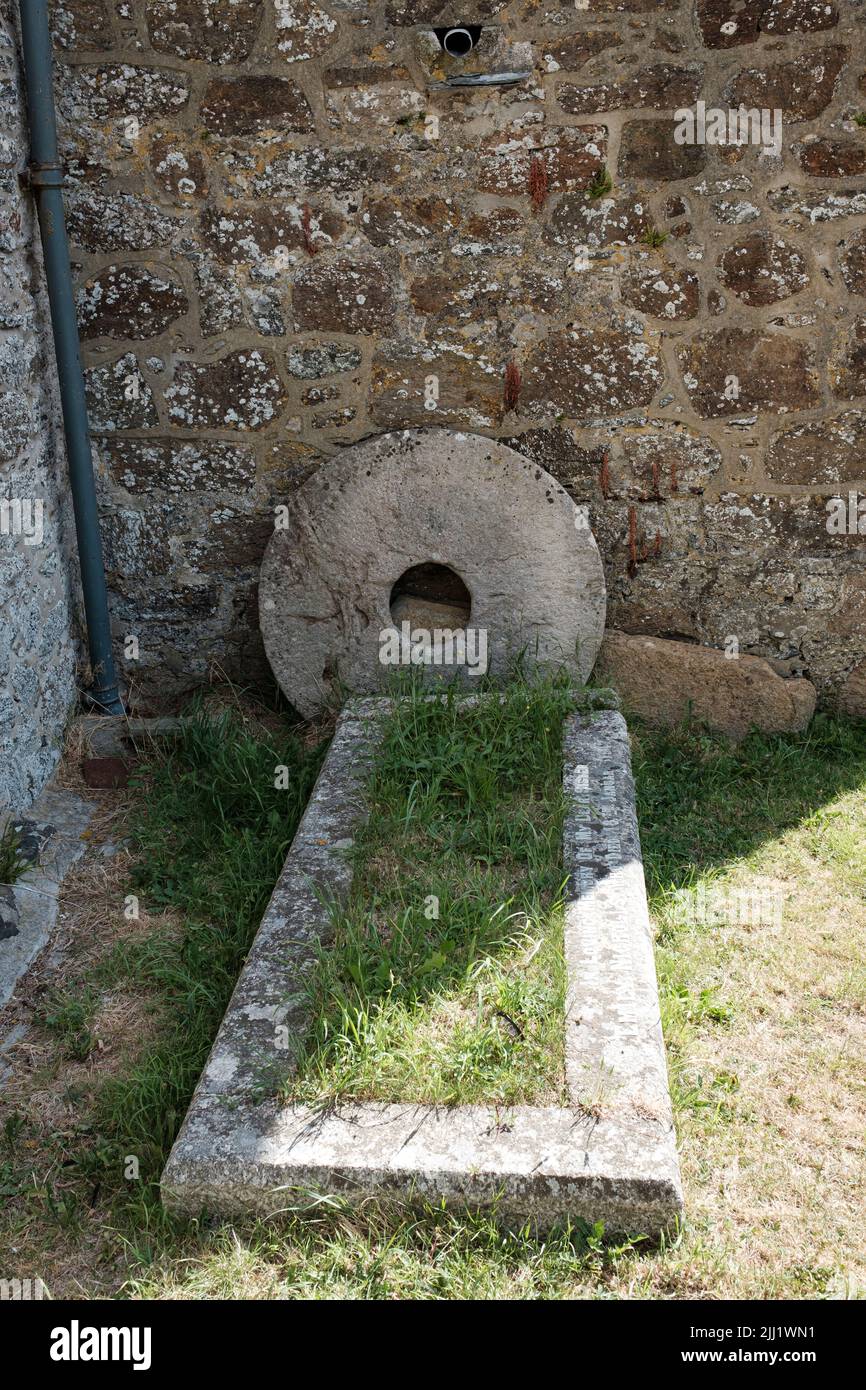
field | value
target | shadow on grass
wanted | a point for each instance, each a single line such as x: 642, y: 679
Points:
x: 210, y: 830
x: 703, y: 802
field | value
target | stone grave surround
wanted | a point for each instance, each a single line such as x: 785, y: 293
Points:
x: 608, y: 1155
x: 489, y: 516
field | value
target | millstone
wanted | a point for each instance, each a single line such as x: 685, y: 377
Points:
x: 511, y: 533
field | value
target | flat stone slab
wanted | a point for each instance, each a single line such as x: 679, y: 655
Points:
x: 667, y: 682
x: 511, y: 532
x: 609, y: 1155
x: 51, y: 836
x: 115, y: 736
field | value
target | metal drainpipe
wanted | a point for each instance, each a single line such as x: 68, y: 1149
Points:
x: 46, y: 180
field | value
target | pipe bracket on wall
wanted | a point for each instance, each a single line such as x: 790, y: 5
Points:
x: 44, y: 176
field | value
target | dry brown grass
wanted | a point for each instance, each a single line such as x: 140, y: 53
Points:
x: 76, y: 1254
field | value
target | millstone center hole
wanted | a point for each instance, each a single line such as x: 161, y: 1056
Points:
x: 431, y: 596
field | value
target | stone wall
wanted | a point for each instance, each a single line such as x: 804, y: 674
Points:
x: 287, y: 240
x: 37, y: 656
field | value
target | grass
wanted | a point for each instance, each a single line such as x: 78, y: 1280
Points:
x: 13, y: 864
x: 444, y: 978
x: 69, y: 1016
x: 600, y: 184
x: 738, y: 842
x: 764, y: 1025
x: 210, y: 832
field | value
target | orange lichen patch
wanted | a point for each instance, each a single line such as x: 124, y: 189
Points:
x: 513, y: 382
x: 538, y: 183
